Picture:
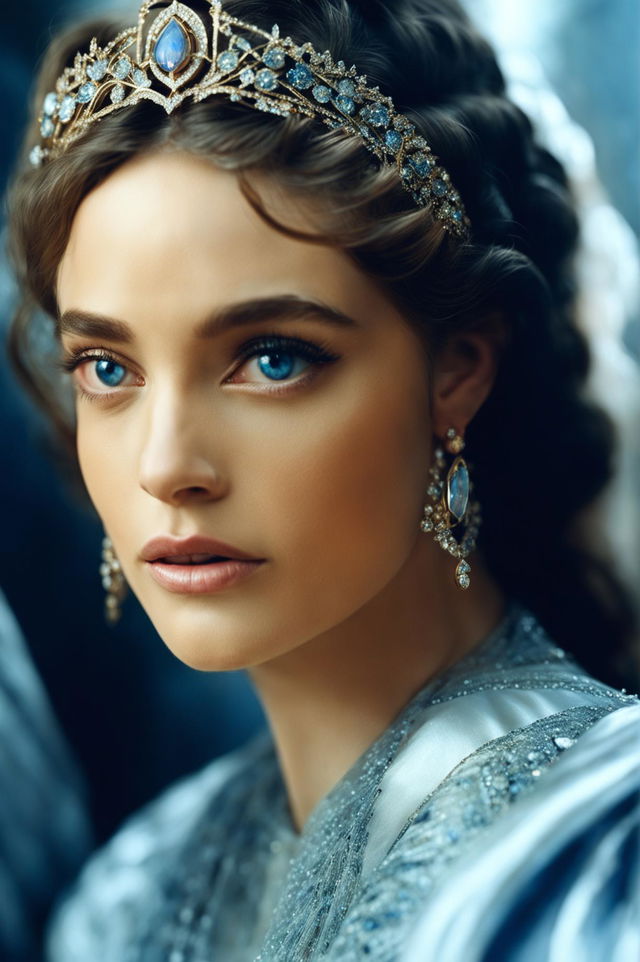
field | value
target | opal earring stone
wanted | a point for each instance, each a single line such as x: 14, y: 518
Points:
x: 458, y: 489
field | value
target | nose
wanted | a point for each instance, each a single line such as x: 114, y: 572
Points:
x: 176, y: 463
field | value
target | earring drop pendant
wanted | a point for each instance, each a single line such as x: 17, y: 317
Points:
x: 113, y: 582
x: 451, y: 506
x: 462, y: 574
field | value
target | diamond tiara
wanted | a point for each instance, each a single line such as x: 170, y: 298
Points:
x: 249, y: 65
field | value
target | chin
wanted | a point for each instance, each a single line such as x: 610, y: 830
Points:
x: 209, y: 653
x: 207, y: 643
x: 206, y: 658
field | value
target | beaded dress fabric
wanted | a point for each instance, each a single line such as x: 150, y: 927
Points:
x: 214, y: 869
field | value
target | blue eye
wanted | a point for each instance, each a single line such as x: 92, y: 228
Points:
x: 92, y: 372
x: 109, y: 372
x: 276, y: 366
x: 281, y: 358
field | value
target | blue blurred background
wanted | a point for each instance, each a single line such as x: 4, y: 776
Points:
x: 134, y: 716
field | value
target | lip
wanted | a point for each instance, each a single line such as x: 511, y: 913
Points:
x: 167, y: 546
x: 201, y: 579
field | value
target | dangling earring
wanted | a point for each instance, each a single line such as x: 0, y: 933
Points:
x: 112, y: 581
x: 451, y: 505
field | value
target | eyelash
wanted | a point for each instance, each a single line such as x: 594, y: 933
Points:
x: 318, y: 354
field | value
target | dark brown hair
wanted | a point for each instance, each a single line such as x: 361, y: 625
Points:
x: 541, y: 452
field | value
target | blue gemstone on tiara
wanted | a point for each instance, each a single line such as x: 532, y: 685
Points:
x: 86, y: 93
x: 322, y: 93
x: 422, y: 164
x: 97, y: 70
x: 347, y: 87
x: 227, y: 61
x: 172, y: 48
x: 140, y: 78
x: 376, y: 114
x: 50, y: 104
x: 47, y: 127
x: 300, y: 77
x: 439, y: 188
x: 346, y: 104
x: 393, y: 139
x: 121, y: 68
x: 274, y: 58
x: 37, y: 155
x: 266, y: 80
x: 67, y: 109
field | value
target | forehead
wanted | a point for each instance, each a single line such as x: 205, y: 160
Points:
x: 172, y: 235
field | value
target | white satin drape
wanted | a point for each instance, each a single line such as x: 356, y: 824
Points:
x: 557, y: 879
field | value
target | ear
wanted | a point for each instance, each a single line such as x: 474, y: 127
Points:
x: 463, y: 375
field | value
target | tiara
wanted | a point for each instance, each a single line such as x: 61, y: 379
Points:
x: 176, y: 58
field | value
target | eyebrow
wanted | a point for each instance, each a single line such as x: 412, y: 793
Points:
x: 286, y: 307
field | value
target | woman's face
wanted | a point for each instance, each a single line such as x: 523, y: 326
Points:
x: 294, y: 428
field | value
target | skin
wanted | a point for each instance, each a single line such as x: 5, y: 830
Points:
x: 355, y: 608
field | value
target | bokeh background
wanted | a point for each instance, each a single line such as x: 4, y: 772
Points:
x: 136, y: 718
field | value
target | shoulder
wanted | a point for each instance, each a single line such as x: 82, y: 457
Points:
x: 124, y: 882
x: 469, y: 811
x: 566, y: 855
x: 513, y: 713
x: 488, y: 781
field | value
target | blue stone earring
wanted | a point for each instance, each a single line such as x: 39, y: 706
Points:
x: 451, y: 506
x: 113, y: 582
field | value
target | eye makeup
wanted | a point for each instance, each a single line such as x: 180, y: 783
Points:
x: 262, y: 347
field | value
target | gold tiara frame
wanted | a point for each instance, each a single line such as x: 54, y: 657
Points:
x: 249, y: 65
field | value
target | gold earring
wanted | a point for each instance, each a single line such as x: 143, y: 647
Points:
x: 113, y: 582
x: 452, y: 505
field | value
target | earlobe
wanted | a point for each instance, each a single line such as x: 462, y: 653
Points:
x: 463, y: 378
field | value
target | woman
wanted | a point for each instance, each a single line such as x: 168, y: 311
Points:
x: 329, y: 408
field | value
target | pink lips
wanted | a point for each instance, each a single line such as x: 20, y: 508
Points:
x: 167, y: 546
x: 193, y: 571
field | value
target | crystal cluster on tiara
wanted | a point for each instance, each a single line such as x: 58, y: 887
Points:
x: 249, y: 65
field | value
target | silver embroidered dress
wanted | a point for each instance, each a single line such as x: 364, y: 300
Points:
x: 214, y: 869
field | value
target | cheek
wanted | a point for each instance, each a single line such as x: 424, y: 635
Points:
x: 104, y: 469
x: 344, y: 494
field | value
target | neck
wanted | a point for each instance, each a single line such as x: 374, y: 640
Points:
x: 329, y: 699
